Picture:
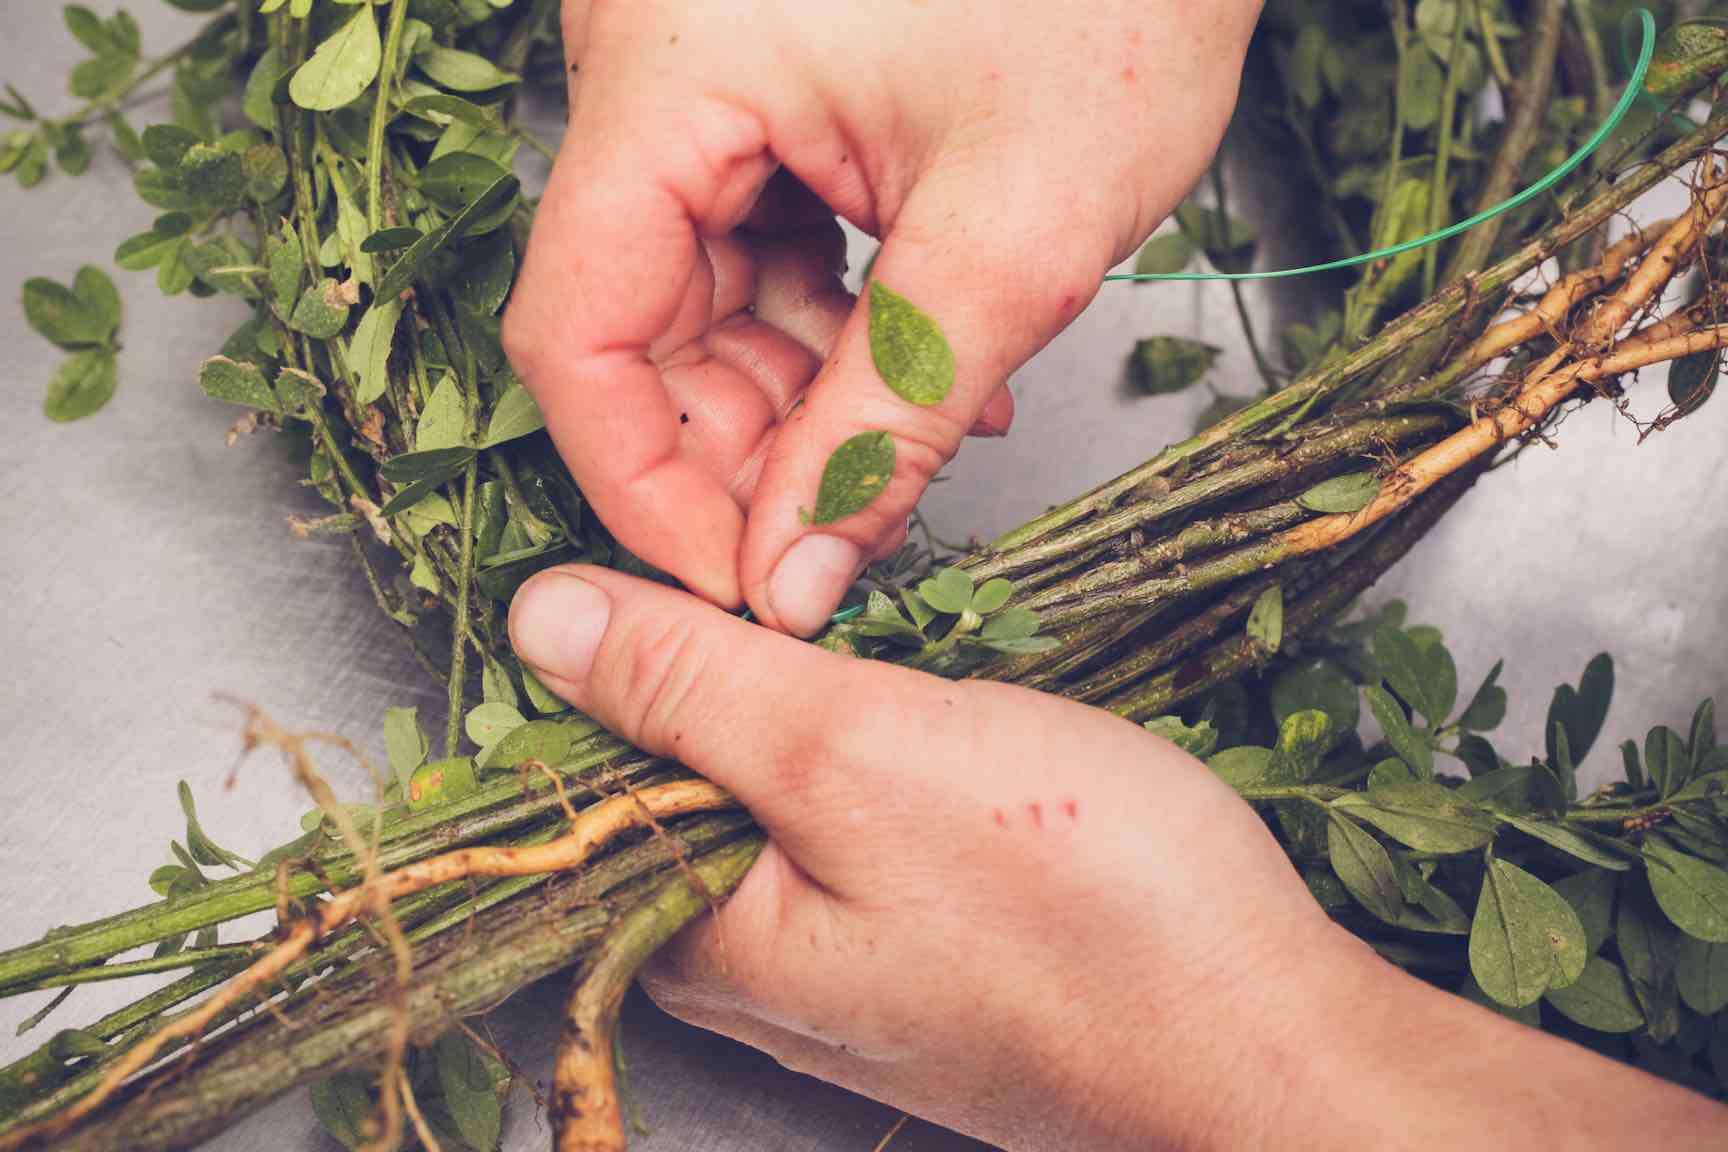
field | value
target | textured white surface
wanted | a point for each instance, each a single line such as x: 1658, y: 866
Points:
x: 145, y: 565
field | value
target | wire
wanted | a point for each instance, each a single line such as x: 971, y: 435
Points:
x: 1634, y: 88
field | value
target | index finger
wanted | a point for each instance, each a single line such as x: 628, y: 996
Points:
x: 612, y: 256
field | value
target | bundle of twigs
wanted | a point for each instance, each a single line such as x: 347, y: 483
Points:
x: 593, y: 853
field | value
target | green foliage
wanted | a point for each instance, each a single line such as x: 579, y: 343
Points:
x: 1603, y: 917
x: 910, y: 352
x: 946, y: 624
x: 855, y: 474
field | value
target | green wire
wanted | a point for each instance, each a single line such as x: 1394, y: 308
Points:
x: 1634, y: 87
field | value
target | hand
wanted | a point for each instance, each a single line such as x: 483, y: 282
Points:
x: 681, y: 297
x: 1034, y: 922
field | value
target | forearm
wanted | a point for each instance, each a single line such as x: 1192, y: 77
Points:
x: 1390, y: 1062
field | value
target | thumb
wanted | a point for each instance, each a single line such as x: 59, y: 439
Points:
x: 775, y: 721
x: 998, y: 288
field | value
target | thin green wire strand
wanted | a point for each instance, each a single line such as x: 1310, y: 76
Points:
x: 1634, y: 87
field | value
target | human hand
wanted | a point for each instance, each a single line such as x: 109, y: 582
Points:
x: 680, y: 318
x: 970, y: 888
x: 1036, y: 923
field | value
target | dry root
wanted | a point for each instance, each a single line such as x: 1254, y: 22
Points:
x: 1589, y: 354
x: 591, y: 831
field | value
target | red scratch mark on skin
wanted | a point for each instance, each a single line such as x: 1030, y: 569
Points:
x: 1128, y: 76
x: 1000, y: 817
x: 1071, y: 809
x: 1037, y: 811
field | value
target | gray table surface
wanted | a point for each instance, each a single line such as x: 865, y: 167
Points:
x: 147, y: 565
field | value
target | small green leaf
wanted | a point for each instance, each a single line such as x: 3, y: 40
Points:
x: 77, y: 317
x: 462, y: 71
x: 1581, y: 710
x: 1665, y: 760
x: 1317, y: 684
x: 1579, y: 842
x: 950, y: 590
x: 1163, y: 255
x: 1488, y: 707
x: 82, y: 384
x: 1364, y: 867
x: 1342, y: 494
x: 343, y: 1106
x: 1403, y: 666
x: 1692, y: 893
x: 1425, y: 815
x: 516, y: 415
x: 1692, y: 380
x: 1303, y: 738
x: 1010, y: 624
x: 419, y: 254
x: 473, y: 1084
x: 548, y: 741
x: 1241, y: 766
x: 238, y: 382
x: 1227, y: 241
x: 1198, y: 740
x: 1701, y: 971
x: 438, y: 463
x: 1410, y: 747
x: 455, y: 180
x: 1161, y: 365
x: 443, y: 419
x: 390, y: 240
x: 405, y: 743
x: 855, y: 475
x: 1266, y: 619
x: 1525, y: 938
x: 486, y: 724
x: 259, y: 103
x: 1591, y: 894
x: 369, y: 351
x: 322, y: 311
x: 341, y: 68
x: 909, y: 351
x: 1600, y: 999
x: 992, y: 595
x: 441, y: 782
x: 544, y: 700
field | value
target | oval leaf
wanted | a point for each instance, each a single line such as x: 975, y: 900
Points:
x: 910, y: 352
x: 81, y: 385
x: 1364, y: 867
x: 856, y: 474
x: 1692, y: 893
x: 1342, y: 494
x: 1600, y: 999
x: 1425, y: 815
x: 342, y: 68
x: 515, y: 416
x: 1525, y: 937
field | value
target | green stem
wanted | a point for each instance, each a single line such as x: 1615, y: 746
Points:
x: 344, y: 1024
x: 227, y: 954
x: 464, y: 595
x: 111, y: 102
x: 1438, y: 201
x: 1222, y: 222
x: 375, y: 156
x: 1491, y: 45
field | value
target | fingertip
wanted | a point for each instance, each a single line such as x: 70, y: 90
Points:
x: 809, y: 581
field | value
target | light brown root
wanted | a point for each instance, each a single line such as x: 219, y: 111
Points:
x: 1548, y: 383
x: 428, y: 1141
x: 593, y: 830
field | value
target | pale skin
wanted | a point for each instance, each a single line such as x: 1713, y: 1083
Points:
x: 1007, y: 913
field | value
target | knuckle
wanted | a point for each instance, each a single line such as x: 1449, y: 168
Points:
x: 657, y: 677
